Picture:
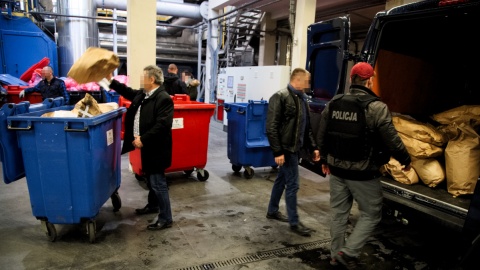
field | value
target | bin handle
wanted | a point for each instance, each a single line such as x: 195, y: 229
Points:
x: 240, y: 111
x: 227, y: 109
x: 19, y: 128
x: 66, y: 128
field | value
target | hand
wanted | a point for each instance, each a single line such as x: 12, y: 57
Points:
x: 325, y: 169
x: 280, y: 160
x: 137, y: 143
x: 21, y: 94
x: 316, y: 156
x: 104, y: 83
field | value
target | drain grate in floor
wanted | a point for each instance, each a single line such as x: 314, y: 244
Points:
x: 261, y: 256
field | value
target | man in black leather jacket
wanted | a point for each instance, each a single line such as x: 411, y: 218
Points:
x: 288, y: 130
x: 356, y: 175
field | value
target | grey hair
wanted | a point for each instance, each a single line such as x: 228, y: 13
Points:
x: 156, y: 73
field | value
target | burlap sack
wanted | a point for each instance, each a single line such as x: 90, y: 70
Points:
x: 420, y: 131
x: 429, y: 170
x: 87, y: 107
x: 94, y: 65
x: 462, y: 114
x: 394, y: 168
x: 462, y: 159
x: 420, y: 149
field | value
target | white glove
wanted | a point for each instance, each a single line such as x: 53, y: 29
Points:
x: 22, y: 94
x: 104, y: 83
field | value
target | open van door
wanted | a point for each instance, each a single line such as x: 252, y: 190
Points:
x: 327, y: 62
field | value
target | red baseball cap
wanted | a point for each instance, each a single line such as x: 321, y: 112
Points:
x: 363, y: 70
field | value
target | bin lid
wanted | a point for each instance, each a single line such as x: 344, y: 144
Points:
x: 10, y: 153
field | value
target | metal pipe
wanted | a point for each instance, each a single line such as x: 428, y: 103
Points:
x: 75, y: 16
x: 76, y: 31
x: 114, y: 32
x: 163, y: 7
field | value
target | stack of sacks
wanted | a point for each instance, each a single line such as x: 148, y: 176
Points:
x: 462, y: 154
x: 424, y: 144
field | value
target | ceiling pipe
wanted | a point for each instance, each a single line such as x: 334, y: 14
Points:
x: 122, y: 47
x: 163, y: 8
x: 190, y: 14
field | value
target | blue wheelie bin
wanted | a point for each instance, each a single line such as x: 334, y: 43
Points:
x: 247, y: 141
x: 10, y: 154
x: 72, y: 165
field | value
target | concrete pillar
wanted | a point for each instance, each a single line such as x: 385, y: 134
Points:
x: 141, y: 38
x: 304, y: 16
x: 266, y: 55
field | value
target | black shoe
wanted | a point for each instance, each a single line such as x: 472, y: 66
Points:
x: 159, y: 226
x: 278, y: 216
x: 146, y: 210
x: 349, y: 262
x: 301, y: 230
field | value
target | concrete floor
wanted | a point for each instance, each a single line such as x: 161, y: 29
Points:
x: 218, y: 224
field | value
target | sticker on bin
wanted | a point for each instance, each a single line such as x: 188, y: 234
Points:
x: 177, y: 123
x: 109, y: 137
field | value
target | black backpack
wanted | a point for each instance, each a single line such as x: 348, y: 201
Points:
x: 348, y: 135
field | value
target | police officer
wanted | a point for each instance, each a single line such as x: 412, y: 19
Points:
x: 355, y: 129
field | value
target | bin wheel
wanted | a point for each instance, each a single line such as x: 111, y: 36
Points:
x: 116, y: 201
x: 248, y: 173
x: 91, y: 231
x: 50, y: 231
x: 140, y: 177
x: 188, y: 172
x: 203, y: 177
x: 236, y: 168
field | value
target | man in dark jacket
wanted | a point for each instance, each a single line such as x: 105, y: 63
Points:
x: 148, y: 126
x: 49, y: 87
x: 173, y: 84
x: 288, y: 130
x: 350, y: 154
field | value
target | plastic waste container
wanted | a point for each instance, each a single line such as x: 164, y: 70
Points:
x: 14, y: 90
x: 72, y: 165
x: 10, y: 153
x: 247, y: 140
x: 191, y: 124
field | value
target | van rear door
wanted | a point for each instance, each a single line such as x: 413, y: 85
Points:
x: 327, y: 61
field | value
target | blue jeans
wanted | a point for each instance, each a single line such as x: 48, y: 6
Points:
x: 369, y: 197
x: 158, y: 182
x: 288, y: 181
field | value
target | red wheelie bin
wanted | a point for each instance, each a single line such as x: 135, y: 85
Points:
x: 191, y: 123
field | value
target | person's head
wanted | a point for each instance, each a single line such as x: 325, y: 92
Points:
x: 47, y: 73
x: 172, y: 68
x: 186, y: 75
x: 362, y: 74
x: 152, y: 77
x: 300, y: 79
